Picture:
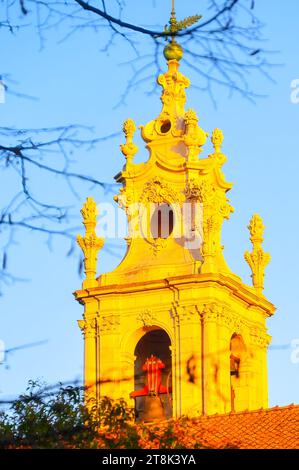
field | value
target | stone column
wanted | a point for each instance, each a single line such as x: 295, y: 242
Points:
x: 211, y: 363
x: 89, y: 330
x: 188, y: 396
x: 176, y: 368
x: 223, y: 382
x: 259, y: 344
x: 127, y: 362
x: 110, y: 373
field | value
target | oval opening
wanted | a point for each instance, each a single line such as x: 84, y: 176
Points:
x: 162, y: 221
x: 165, y: 126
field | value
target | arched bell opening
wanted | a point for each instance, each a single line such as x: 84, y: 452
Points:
x: 152, y: 376
x: 237, y: 357
x: 162, y: 221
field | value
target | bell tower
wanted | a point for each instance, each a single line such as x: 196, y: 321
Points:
x: 173, y: 298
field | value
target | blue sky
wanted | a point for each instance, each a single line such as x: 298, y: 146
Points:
x: 74, y: 82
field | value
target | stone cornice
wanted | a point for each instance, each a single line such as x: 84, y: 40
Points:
x: 236, y: 288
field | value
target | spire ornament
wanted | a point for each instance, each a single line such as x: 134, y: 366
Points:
x: 173, y: 50
x: 257, y: 259
x: 217, y: 140
x: 194, y: 137
x: 170, y: 122
x: 90, y: 244
x: 129, y: 149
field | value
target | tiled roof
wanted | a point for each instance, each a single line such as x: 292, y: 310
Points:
x: 272, y: 428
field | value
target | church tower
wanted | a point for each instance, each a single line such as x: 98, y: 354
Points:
x: 173, y: 310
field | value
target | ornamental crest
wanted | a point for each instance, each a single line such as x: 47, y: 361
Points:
x: 158, y: 192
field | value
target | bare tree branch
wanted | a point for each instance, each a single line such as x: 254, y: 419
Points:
x: 40, y: 153
x: 225, y: 49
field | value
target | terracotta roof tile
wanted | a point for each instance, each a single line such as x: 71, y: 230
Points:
x: 273, y: 428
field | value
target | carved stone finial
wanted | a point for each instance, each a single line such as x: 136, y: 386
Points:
x: 194, y: 137
x: 191, y: 117
x: 257, y: 259
x: 256, y: 228
x: 217, y: 139
x: 129, y: 149
x: 89, y: 211
x: 90, y: 244
x: 129, y: 128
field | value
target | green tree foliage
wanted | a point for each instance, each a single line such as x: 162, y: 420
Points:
x: 44, y: 418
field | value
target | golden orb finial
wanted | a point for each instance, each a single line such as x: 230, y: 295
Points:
x: 173, y: 50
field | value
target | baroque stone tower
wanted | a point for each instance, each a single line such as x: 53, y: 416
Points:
x: 173, y: 295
